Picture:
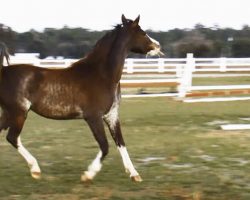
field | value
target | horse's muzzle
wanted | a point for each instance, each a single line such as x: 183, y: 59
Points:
x: 156, y: 51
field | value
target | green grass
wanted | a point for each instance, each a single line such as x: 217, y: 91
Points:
x: 241, y: 80
x: 196, y: 160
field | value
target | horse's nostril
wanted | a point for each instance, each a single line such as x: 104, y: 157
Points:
x: 155, y: 45
x: 158, y: 46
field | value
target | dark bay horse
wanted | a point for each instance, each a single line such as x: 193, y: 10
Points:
x: 89, y: 89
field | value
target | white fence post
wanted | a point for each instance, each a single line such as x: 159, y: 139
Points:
x: 179, y: 70
x: 223, y: 64
x: 186, y: 79
x: 130, y: 65
x: 161, y: 65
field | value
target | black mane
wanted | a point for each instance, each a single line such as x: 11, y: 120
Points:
x: 109, y: 34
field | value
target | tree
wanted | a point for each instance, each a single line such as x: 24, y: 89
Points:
x: 241, y: 48
x: 77, y: 42
x: 8, y: 37
x: 194, y: 42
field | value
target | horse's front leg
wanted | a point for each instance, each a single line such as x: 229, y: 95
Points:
x: 96, y: 125
x: 113, y: 123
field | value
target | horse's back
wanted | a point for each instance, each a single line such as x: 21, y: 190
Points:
x: 19, y: 82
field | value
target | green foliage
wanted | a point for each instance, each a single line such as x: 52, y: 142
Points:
x: 77, y: 42
x: 241, y: 47
x: 8, y: 36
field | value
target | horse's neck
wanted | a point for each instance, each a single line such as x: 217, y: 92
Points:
x: 110, y: 57
x: 116, y: 58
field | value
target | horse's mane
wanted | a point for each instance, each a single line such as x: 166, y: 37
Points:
x: 112, y: 33
x: 108, y: 35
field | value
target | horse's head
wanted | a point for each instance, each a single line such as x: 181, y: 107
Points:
x: 140, y: 42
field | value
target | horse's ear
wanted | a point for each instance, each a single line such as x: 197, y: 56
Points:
x: 124, y: 20
x: 136, y: 22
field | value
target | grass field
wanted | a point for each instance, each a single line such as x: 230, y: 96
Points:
x: 178, y: 149
x: 241, y: 80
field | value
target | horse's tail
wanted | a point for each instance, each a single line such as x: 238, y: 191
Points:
x: 3, y: 54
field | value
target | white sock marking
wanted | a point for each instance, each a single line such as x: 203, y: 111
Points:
x: 127, y: 161
x: 94, y: 167
x: 32, y: 162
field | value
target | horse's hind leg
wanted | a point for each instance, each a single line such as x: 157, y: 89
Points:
x: 113, y: 123
x: 97, y: 128
x: 3, y: 119
x: 16, y: 122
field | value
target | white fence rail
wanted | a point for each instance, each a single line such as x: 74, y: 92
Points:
x: 175, y: 65
x: 51, y: 63
x: 180, y: 70
x: 155, y: 65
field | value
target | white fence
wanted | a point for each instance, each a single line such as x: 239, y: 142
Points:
x: 179, y: 70
x: 50, y: 63
x: 218, y: 65
x: 155, y: 65
x: 184, y: 69
x: 164, y: 65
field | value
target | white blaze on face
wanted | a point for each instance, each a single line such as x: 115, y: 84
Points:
x: 154, y: 41
x: 157, y: 48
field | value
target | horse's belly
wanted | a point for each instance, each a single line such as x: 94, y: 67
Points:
x: 59, y: 111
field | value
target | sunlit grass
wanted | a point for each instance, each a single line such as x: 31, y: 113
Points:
x: 178, y: 149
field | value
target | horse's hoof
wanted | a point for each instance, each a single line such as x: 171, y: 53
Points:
x: 36, y: 175
x: 85, y: 178
x: 136, y: 178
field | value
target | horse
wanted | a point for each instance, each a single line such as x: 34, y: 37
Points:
x: 88, y: 89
